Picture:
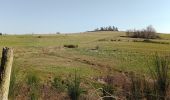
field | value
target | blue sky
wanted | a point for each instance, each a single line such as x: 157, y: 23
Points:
x: 48, y: 16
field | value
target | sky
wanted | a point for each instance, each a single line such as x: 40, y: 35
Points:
x: 68, y: 16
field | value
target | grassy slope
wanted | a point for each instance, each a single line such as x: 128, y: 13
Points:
x: 45, y: 56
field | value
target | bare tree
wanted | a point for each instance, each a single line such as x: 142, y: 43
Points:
x: 147, y: 33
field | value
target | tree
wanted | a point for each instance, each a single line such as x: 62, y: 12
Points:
x: 110, y: 28
x: 116, y: 29
x: 148, y: 33
x: 101, y: 29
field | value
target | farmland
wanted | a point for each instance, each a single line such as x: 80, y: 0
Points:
x: 96, y: 55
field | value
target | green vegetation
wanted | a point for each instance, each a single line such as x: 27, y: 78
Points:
x: 109, y: 28
x: 13, y: 83
x: 154, y: 88
x: 33, y: 83
x: 74, y: 89
x: 160, y: 74
x: 136, y: 87
x: 59, y: 84
x: 45, y: 56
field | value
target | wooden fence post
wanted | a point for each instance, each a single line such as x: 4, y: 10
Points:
x: 5, y: 72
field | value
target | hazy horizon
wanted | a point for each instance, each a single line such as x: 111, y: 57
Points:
x: 37, y: 16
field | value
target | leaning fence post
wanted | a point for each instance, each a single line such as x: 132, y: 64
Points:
x: 5, y: 72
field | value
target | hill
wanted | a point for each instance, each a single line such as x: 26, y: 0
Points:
x: 96, y: 54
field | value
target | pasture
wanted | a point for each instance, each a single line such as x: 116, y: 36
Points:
x: 97, y: 54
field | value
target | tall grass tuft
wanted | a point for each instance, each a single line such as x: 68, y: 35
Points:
x: 74, y: 89
x: 33, y: 83
x: 136, y: 87
x: 155, y: 88
x: 160, y: 76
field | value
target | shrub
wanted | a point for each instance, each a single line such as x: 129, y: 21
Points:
x: 39, y: 36
x: 71, y: 46
x: 148, y: 33
x: 74, y: 89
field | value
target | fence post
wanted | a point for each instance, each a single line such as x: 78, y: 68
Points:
x: 5, y: 72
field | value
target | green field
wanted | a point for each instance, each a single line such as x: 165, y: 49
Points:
x: 97, y: 53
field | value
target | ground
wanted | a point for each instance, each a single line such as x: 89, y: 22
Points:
x: 98, y: 54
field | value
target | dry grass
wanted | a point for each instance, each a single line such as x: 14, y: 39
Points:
x: 47, y: 57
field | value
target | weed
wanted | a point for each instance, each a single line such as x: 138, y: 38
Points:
x: 74, y: 89
x: 59, y: 84
x: 160, y: 75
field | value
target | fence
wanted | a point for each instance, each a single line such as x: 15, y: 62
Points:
x: 5, y: 72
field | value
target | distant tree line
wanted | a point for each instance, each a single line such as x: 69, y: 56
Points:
x: 109, y: 28
x: 147, y: 33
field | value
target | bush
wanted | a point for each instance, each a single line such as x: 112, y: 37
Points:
x: 71, y: 46
x: 39, y: 36
x: 148, y: 33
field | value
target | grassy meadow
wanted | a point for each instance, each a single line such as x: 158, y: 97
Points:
x: 98, y: 54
